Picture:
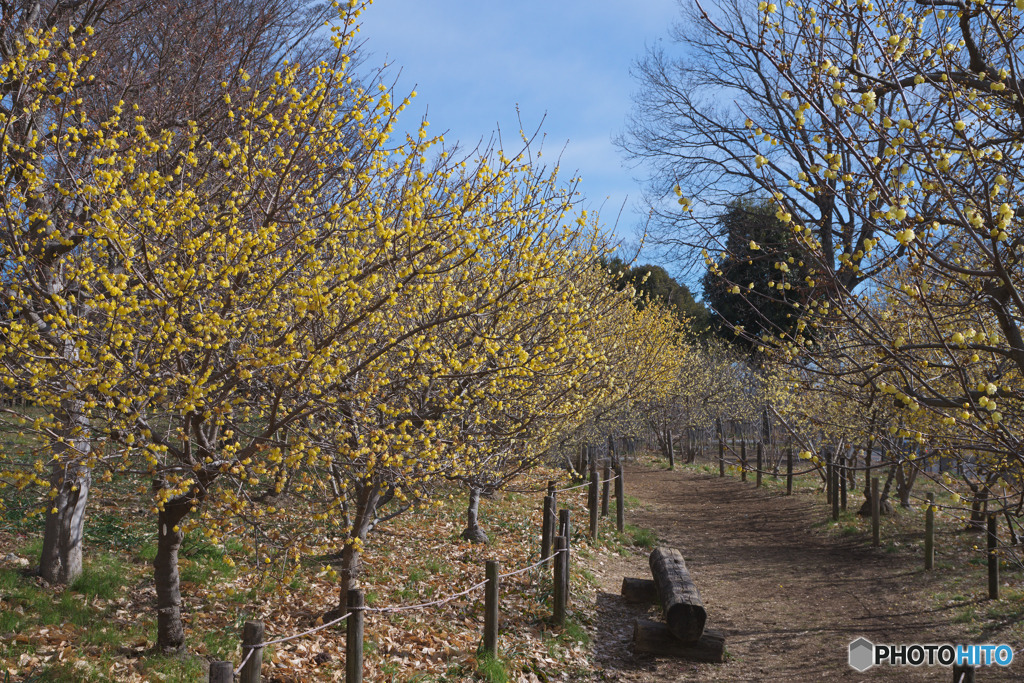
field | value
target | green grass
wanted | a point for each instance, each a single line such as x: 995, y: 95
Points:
x: 182, y: 668
x: 220, y: 645
x: 110, y: 570
x: 106, y: 530
x: 106, y: 636
x: 575, y: 633
x: 965, y: 616
x: 491, y: 668
x: 103, y: 576
x: 146, y: 552
x: 200, y: 562
x: 589, y: 577
x: 640, y: 537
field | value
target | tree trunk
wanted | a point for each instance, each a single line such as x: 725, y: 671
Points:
x: 867, y: 469
x: 906, y: 473
x: 978, y: 504
x: 61, y: 559
x: 170, y: 632
x: 885, y: 507
x: 473, y: 533
x: 366, y: 499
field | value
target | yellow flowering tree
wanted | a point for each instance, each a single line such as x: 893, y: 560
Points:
x: 924, y: 102
x: 64, y: 88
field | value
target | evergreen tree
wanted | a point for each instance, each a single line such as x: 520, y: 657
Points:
x: 754, y: 284
x: 653, y: 284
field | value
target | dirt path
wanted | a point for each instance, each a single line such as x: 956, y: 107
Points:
x: 790, y: 599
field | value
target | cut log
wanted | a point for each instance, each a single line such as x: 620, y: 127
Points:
x: 654, y: 638
x: 680, y: 599
x: 643, y: 591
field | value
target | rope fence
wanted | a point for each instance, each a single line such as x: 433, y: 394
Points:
x: 839, y: 473
x: 556, y: 550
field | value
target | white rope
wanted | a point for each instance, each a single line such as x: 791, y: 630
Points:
x: 387, y: 610
x: 253, y: 648
x: 532, y: 566
x: 306, y: 633
x: 426, y: 604
x: 244, y: 661
x: 587, y: 483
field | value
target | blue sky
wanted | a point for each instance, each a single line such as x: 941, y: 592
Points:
x: 563, y: 62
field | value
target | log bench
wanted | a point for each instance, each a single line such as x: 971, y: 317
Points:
x: 683, y: 634
x: 654, y: 638
x: 680, y: 599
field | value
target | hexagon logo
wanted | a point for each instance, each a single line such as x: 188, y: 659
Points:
x: 862, y: 654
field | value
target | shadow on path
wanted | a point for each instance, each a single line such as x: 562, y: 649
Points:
x: 789, y: 597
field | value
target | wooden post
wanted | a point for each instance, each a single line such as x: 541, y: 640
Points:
x: 566, y: 559
x: 963, y: 673
x: 559, y: 587
x: 551, y: 488
x: 828, y: 478
x: 835, y: 488
x: 760, y: 462
x: 671, y: 452
x: 929, y: 533
x: 222, y: 672
x: 721, y: 447
x: 743, y: 460
x: 876, y: 514
x: 354, y: 638
x: 993, y: 559
x: 842, y: 483
x: 620, y: 498
x: 789, y: 471
x: 547, y: 527
x: 592, y: 498
x: 563, y: 523
x: 851, y: 471
x: 252, y: 635
x: 491, y: 607
x: 606, y: 484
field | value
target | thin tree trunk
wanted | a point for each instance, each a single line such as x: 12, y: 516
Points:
x: 978, y: 502
x: 473, y: 533
x: 867, y: 469
x: 61, y: 559
x: 367, y: 496
x: 50, y: 565
x: 170, y: 632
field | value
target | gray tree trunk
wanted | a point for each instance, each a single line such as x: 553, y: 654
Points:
x: 367, y: 496
x: 473, y: 533
x: 61, y: 559
x: 170, y: 632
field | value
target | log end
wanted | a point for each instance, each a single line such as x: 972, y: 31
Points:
x: 640, y: 591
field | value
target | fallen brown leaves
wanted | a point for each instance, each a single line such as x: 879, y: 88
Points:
x: 416, y: 558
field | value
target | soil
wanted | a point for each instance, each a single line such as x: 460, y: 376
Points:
x: 789, y: 597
